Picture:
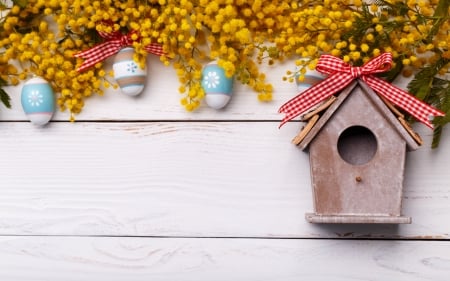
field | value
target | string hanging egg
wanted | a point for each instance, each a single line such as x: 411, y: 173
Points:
x: 38, y: 100
x: 217, y: 86
x: 128, y: 74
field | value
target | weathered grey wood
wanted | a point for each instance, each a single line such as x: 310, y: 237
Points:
x: 315, y: 218
x: 159, y: 259
x: 230, y: 179
x: 91, y: 181
x: 357, y: 156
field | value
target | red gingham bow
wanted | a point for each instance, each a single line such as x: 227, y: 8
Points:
x: 114, y: 42
x: 341, y: 74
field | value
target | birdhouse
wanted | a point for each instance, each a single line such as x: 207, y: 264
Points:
x: 357, y: 144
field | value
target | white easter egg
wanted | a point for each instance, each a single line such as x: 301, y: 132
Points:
x: 38, y: 100
x: 217, y: 86
x: 128, y: 74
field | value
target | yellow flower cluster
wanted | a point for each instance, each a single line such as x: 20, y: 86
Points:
x: 36, y: 49
x: 357, y: 32
x: 196, y: 32
x: 40, y: 37
x: 192, y: 33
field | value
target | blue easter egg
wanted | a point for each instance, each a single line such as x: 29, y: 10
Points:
x: 38, y: 100
x: 128, y: 74
x: 217, y: 86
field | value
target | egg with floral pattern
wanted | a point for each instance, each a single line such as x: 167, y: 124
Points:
x: 217, y: 86
x: 128, y: 74
x: 38, y: 100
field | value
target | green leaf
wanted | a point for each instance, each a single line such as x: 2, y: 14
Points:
x: 437, y: 134
x: 420, y: 86
x: 4, y: 98
x: 442, y: 8
x: 434, y: 91
x: 20, y: 3
x: 423, y: 90
x: 440, y: 17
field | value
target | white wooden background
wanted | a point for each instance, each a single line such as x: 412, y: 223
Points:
x: 139, y: 189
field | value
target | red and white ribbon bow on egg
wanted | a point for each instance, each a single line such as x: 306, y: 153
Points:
x: 114, y: 42
x: 341, y: 74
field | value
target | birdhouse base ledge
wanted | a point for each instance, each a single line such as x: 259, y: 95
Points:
x: 317, y: 218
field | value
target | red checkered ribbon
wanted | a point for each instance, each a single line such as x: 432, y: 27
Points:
x: 114, y: 42
x: 341, y: 74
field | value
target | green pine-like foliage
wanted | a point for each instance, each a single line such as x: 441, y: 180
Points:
x: 428, y: 86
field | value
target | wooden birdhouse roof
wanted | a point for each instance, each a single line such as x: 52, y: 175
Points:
x: 324, y: 113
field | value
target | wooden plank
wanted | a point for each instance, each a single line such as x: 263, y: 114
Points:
x: 161, y: 100
x: 161, y: 259
x: 210, y: 179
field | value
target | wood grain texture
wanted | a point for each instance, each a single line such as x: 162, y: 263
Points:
x: 160, y: 100
x: 187, y: 179
x: 135, y: 259
x: 197, y: 200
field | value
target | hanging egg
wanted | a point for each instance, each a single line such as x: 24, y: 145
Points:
x: 311, y: 78
x: 38, y: 100
x: 128, y: 74
x: 217, y: 86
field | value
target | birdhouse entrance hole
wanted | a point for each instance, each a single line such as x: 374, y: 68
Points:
x: 357, y: 145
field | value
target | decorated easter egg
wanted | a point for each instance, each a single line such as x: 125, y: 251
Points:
x: 128, y: 74
x: 38, y: 100
x: 311, y: 78
x: 217, y: 86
